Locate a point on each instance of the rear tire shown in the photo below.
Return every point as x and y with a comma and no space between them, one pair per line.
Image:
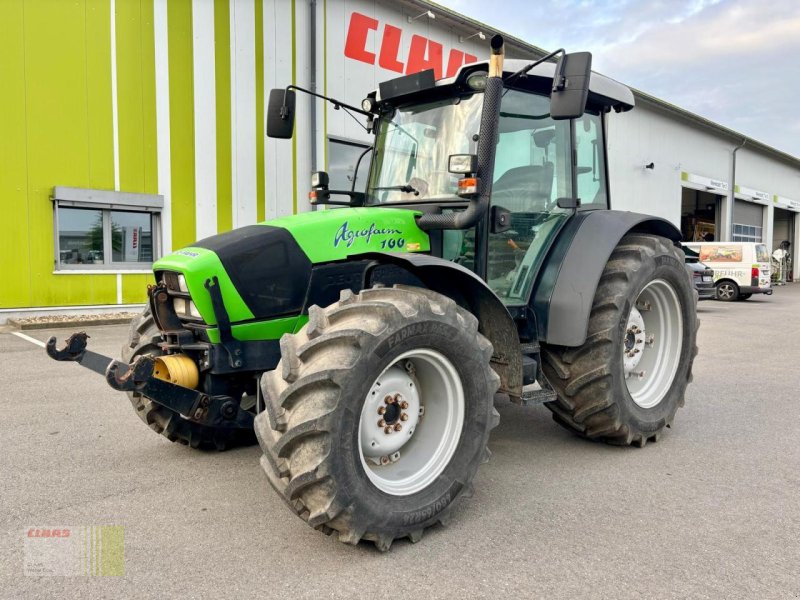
643,282
143,338
321,399
726,291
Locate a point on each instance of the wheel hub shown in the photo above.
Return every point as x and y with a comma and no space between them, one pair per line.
390,415
634,342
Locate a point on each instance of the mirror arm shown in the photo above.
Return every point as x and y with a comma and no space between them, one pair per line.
536,63
336,103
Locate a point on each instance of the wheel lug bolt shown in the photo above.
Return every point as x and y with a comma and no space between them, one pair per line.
404,417
404,405
381,423
397,427
388,400
381,410
397,397
387,429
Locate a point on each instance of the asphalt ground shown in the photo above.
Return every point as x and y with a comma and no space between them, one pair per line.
710,511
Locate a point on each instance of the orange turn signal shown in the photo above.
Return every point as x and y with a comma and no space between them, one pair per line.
468,186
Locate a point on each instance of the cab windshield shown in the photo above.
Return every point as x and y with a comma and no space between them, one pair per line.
412,148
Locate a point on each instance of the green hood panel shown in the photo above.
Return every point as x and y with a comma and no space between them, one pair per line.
334,234
322,236
197,265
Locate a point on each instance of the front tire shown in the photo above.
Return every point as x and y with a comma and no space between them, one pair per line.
378,415
143,339
625,383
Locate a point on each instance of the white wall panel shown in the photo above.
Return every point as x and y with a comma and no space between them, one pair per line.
205,119
278,180
243,112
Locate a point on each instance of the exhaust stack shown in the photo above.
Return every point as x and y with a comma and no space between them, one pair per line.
487,140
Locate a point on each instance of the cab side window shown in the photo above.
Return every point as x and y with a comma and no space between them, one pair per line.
590,154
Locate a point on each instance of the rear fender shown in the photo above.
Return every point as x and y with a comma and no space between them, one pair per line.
564,292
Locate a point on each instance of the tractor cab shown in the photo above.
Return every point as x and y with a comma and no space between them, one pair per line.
548,160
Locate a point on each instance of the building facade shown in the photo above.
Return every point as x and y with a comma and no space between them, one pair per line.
131,128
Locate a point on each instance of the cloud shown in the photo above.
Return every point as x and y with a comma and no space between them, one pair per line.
736,62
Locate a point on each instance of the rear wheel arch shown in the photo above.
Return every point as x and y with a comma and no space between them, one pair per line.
567,282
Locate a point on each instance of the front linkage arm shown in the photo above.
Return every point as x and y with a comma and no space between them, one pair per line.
215,411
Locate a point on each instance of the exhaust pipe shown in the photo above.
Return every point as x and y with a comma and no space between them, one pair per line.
487,141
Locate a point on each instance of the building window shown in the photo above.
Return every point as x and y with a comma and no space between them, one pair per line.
746,233
100,230
343,156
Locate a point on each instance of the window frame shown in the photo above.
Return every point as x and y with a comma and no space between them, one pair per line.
107,202
602,147
360,144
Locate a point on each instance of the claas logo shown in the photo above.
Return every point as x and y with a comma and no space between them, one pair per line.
422,53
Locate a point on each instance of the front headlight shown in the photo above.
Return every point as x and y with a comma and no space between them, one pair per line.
185,308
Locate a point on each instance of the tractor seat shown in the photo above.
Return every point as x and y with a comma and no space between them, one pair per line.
524,189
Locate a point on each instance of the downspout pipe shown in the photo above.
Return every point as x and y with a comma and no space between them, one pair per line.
487,140
732,195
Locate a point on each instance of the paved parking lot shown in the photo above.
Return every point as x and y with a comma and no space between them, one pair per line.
710,511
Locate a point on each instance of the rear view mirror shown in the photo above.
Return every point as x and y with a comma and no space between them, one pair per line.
280,113
571,86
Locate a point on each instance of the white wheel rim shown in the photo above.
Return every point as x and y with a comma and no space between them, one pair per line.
652,343
421,392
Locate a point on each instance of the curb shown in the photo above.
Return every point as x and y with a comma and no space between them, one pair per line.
67,324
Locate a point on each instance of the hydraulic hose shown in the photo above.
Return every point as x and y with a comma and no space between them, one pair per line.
487,140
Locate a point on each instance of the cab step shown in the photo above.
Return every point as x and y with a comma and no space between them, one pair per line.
533,394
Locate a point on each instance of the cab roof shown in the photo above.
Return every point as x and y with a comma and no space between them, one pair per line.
602,90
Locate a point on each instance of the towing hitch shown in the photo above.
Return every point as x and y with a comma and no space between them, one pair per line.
138,377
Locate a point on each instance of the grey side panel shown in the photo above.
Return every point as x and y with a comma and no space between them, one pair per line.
568,300
470,291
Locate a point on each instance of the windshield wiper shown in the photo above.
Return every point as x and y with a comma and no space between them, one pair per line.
406,189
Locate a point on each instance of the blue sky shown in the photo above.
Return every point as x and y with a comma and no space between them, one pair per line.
736,62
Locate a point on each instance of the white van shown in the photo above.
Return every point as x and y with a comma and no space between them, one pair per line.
741,269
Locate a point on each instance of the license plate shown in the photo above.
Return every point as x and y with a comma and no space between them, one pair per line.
707,278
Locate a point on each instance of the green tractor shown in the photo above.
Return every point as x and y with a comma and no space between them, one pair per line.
363,346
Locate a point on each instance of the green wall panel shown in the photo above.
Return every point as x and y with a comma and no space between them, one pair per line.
136,96
181,121
57,91
14,259
134,288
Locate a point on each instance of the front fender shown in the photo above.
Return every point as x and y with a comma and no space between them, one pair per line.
471,292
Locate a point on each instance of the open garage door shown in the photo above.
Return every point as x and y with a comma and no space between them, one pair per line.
748,222
783,223
700,215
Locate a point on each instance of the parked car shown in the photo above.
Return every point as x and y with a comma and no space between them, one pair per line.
741,269
702,276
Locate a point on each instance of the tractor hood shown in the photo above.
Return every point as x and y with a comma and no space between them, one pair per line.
264,270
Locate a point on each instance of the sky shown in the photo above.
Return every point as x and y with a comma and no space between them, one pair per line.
735,62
